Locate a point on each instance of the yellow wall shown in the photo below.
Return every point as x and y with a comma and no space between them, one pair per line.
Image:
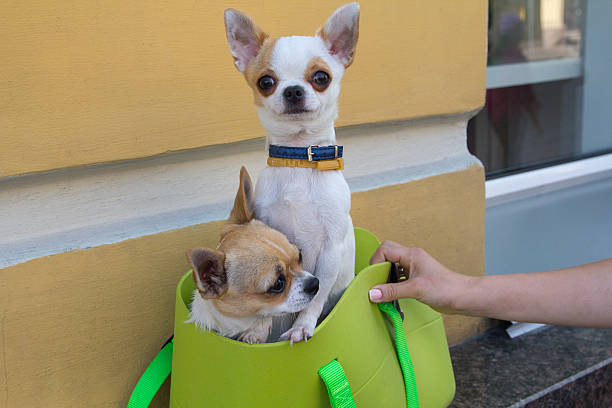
78,328
85,81
89,82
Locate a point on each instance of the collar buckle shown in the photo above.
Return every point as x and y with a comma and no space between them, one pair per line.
309,152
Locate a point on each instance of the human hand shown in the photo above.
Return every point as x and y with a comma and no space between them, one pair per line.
428,280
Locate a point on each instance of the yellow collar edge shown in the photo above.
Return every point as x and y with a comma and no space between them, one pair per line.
331,164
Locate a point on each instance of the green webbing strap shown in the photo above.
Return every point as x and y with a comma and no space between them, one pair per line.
153,378
412,398
338,388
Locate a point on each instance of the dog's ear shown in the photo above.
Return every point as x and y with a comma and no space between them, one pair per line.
208,271
243,204
340,33
244,37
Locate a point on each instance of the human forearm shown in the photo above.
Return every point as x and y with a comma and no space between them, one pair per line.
578,296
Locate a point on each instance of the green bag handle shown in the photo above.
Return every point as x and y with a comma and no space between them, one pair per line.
412,397
153,378
338,388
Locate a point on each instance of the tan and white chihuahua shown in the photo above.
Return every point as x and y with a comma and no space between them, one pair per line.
296,83
253,275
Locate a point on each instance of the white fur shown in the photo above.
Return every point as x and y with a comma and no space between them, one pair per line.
310,207
289,60
205,315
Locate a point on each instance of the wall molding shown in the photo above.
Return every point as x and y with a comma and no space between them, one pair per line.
83,207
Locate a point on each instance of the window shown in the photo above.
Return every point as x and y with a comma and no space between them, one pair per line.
535,97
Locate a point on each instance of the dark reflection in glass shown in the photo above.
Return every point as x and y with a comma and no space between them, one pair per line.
527,124
507,48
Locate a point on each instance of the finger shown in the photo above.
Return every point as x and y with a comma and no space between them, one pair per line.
382,252
392,252
379,256
392,291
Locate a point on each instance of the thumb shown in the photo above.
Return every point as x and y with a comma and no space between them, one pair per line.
392,291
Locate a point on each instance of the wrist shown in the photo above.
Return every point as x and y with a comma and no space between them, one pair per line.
465,289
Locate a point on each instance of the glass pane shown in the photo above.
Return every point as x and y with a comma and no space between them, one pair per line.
527,125
532,30
531,123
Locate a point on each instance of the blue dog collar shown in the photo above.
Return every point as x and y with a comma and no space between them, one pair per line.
310,153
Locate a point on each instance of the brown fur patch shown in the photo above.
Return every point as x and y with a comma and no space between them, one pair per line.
252,253
314,65
242,211
258,67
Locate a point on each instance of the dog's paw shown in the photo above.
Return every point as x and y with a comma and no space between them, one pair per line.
297,334
252,338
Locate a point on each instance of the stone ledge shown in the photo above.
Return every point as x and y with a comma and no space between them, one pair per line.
554,366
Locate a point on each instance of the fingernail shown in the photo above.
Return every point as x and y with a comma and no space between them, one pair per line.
375,294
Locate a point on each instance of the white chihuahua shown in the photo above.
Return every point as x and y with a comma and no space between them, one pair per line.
303,194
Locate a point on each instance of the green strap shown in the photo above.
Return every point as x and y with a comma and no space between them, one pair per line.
338,388
153,378
412,398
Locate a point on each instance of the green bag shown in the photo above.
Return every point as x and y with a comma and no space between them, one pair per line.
209,370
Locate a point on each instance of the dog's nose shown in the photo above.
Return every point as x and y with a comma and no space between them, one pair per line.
312,286
294,94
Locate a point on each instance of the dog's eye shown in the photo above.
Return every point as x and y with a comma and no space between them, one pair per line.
266,83
278,286
300,258
320,78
